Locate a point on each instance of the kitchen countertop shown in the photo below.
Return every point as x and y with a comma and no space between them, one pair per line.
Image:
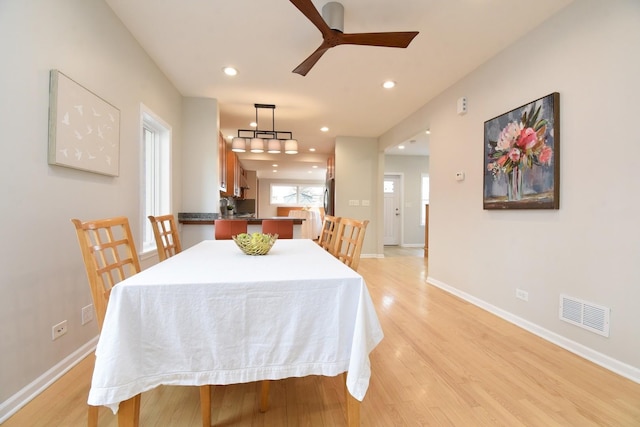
209,218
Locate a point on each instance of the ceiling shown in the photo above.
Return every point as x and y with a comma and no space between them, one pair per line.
191,41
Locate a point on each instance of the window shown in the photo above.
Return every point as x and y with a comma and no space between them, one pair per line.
389,186
425,197
297,194
156,147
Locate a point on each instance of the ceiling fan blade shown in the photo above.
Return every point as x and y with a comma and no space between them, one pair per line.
308,63
398,39
309,10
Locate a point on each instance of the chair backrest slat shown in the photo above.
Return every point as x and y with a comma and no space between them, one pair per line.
350,236
329,232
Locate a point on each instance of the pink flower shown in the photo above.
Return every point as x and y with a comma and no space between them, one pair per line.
545,154
514,155
508,136
527,139
502,160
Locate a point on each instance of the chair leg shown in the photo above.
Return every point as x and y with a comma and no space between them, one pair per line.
129,412
205,405
92,419
264,396
353,406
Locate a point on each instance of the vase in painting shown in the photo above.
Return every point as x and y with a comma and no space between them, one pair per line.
514,184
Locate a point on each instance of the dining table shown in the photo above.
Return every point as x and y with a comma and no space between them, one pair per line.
212,315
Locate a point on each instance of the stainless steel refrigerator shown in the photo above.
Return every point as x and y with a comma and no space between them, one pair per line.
329,197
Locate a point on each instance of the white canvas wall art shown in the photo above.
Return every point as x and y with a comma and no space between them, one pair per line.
84,129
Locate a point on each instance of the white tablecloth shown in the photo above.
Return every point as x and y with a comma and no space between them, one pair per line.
311,226
213,315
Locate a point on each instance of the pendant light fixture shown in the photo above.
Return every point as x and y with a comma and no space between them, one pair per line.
258,139
239,145
257,145
291,146
274,146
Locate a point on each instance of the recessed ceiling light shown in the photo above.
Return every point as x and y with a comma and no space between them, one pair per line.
275,165
389,84
275,170
312,149
324,129
253,124
230,71
401,147
315,166
428,132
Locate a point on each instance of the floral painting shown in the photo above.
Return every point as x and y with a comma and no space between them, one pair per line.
521,157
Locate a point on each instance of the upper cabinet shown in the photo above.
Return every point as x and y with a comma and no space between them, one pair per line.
236,180
222,164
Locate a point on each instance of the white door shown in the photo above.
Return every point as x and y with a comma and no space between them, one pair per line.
392,214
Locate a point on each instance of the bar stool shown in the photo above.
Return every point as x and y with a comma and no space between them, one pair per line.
282,227
225,228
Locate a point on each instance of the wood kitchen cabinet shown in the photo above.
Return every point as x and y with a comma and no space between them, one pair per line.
236,179
222,164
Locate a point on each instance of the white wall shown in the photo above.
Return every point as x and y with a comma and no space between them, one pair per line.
42,278
201,189
200,183
359,177
589,247
411,168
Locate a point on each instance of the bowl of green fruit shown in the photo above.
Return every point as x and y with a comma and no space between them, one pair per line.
255,243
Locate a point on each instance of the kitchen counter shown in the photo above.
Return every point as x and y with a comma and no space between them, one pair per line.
209,218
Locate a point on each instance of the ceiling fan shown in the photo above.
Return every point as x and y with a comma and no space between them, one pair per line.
332,32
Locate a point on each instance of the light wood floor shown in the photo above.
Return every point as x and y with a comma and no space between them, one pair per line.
443,362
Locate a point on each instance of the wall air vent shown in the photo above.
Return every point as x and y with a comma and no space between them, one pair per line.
592,317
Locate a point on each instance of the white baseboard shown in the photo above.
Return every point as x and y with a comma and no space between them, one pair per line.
412,245
371,255
30,391
620,368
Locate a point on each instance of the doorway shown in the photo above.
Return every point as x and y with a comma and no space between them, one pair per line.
392,213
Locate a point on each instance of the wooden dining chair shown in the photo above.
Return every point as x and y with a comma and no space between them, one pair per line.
225,228
109,255
328,233
282,227
350,236
166,235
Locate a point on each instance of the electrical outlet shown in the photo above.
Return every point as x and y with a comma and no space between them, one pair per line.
87,314
58,330
522,294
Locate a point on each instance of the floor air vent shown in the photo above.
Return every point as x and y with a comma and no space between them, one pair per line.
592,317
